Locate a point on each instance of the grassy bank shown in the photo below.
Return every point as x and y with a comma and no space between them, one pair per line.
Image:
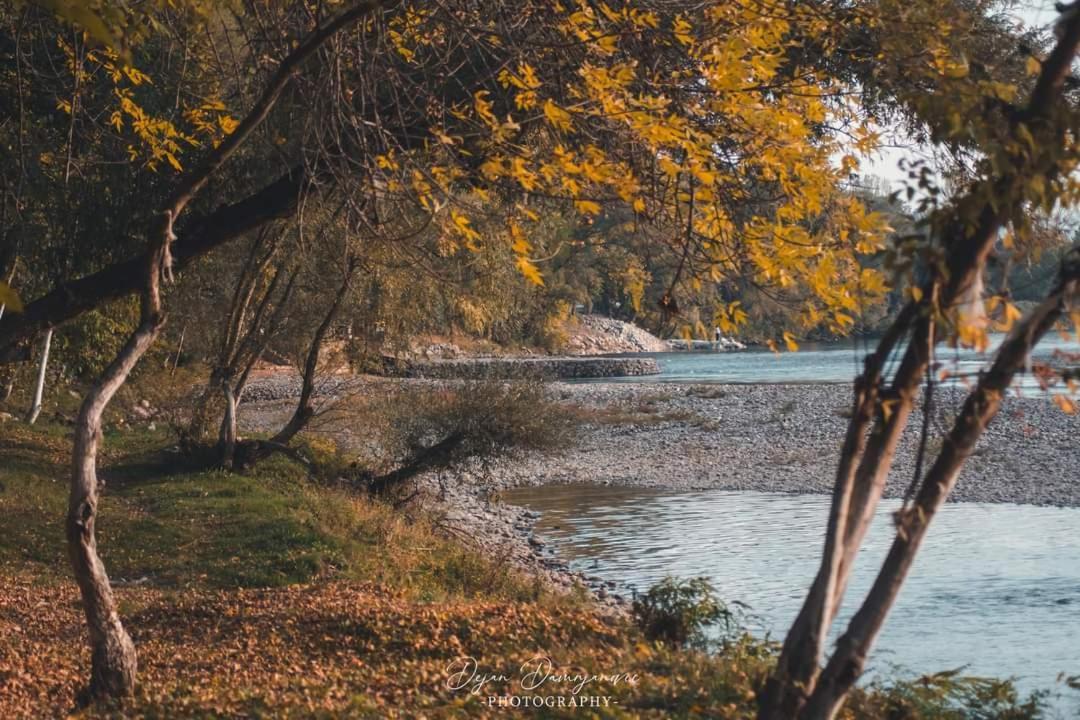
265,595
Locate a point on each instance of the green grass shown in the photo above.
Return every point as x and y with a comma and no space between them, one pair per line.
170,522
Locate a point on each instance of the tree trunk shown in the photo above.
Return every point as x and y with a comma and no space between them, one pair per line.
304,408
227,433
847,662
436,456
39,387
112,652
200,236
804,645
969,238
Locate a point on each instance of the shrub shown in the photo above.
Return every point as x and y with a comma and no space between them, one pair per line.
679,612
946,695
415,429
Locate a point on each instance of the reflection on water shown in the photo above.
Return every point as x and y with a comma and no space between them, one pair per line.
837,362
996,587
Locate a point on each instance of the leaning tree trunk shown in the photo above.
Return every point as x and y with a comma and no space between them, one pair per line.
865,462
112,652
847,662
305,408
39,387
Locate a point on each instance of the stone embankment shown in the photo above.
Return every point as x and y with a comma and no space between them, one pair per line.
543,368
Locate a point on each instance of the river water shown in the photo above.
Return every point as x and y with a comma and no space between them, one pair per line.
835,362
995,589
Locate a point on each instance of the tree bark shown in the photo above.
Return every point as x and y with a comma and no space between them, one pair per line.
227,435
113,658
855,497
39,386
804,645
980,408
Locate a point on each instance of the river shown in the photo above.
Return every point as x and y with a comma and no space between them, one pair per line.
834,362
995,589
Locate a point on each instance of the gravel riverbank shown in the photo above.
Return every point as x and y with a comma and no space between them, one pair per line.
786,438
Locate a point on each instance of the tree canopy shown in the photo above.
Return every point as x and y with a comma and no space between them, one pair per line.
726,131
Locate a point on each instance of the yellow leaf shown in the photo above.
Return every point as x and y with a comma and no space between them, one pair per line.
1012,314
483,108
557,116
887,408
529,270
9,298
682,30
463,227
588,207
789,340
520,243
227,124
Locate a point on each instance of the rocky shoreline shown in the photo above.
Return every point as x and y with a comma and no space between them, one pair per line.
764,438
786,438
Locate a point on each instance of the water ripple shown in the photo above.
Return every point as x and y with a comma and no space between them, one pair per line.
996,587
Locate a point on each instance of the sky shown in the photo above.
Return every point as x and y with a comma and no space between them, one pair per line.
1033,13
